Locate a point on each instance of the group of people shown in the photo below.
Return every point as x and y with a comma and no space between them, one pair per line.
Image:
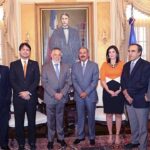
56,79
127,85
124,84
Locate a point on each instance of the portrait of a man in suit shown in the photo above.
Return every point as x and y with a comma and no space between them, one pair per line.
56,80
24,78
64,28
67,39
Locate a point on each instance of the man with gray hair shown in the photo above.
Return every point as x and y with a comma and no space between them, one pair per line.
56,81
134,82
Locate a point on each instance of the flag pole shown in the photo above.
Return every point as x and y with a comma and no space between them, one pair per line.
132,10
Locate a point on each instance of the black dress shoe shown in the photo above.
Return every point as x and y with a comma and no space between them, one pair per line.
77,141
131,145
5,147
50,145
62,142
92,142
32,146
21,147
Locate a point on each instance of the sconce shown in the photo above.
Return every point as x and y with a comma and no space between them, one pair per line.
27,37
104,36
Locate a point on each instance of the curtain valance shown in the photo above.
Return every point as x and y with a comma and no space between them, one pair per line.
141,5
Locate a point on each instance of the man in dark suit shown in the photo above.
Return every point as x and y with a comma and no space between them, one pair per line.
24,78
147,95
5,100
67,39
56,81
85,75
134,81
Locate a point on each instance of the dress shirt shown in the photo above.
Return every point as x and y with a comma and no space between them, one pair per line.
133,63
55,66
85,62
23,60
66,33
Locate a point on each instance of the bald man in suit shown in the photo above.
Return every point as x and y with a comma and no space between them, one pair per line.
56,81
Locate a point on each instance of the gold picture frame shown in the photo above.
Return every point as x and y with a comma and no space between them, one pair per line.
77,11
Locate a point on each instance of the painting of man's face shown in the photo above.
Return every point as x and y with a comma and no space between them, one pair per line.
64,20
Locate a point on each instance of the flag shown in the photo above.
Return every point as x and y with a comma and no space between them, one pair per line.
132,38
53,19
53,23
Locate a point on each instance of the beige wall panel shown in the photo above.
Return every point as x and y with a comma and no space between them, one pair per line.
28,25
103,30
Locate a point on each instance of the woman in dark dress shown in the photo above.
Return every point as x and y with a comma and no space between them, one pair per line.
113,99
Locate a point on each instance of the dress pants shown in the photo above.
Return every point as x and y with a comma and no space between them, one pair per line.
4,118
85,108
55,118
138,118
20,107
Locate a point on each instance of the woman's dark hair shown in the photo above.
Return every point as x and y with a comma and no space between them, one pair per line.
24,44
117,52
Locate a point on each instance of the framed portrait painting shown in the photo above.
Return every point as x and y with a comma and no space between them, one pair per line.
49,23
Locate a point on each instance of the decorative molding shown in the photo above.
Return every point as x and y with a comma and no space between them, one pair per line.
2,2
103,0
49,1
141,5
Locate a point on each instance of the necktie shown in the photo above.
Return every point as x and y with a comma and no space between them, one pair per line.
25,69
57,70
132,66
83,67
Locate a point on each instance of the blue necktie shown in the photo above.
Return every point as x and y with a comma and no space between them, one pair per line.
57,70
83,67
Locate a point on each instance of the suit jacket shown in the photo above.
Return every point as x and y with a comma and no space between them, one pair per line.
70,49
52,84
5,88
148,90
19,83
136,83
88,82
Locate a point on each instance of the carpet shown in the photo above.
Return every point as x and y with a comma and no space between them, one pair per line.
101,144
